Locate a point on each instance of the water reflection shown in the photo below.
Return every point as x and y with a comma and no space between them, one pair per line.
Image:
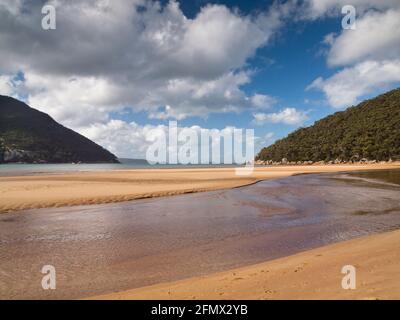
104,248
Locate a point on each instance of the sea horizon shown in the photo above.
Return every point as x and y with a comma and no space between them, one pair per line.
10,169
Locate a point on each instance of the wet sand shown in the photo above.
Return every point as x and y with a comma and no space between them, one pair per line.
314,274
100,249
71,189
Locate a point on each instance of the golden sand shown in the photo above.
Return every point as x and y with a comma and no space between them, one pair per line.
69,189
313,274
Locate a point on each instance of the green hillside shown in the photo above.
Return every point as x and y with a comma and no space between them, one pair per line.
369,130
28,135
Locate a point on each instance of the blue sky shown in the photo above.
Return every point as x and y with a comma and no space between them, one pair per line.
283,69
114,70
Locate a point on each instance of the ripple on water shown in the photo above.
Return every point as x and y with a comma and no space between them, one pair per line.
103,248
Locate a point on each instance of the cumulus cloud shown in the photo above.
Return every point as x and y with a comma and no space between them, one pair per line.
74,101
10,85
314,9
263,101
289,116
345,87
131,140
6,85
369,53
375,38
126,140
105,56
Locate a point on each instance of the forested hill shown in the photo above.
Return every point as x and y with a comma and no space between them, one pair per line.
28,135
370,130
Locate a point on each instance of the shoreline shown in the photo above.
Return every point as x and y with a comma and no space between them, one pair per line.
101,187
312,271
311,274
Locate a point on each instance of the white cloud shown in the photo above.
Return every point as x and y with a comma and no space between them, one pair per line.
6,85
376,37
131,140
370,53
190,97
262,101
289,116
345,87
314,9
126,140
13,6
107,55
75,102
264,141
79,101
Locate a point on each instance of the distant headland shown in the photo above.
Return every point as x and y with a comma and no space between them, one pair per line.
30,136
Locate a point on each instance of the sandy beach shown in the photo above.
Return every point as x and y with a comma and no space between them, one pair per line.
83,188
124,242
314,274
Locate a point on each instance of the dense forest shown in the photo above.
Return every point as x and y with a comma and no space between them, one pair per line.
370,130
28,135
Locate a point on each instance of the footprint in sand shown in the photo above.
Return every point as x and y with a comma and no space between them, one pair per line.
300,268
270,291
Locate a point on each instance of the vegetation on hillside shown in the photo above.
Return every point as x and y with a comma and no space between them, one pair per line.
369,130
28,135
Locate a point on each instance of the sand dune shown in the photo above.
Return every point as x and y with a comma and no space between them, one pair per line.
57,190
314,274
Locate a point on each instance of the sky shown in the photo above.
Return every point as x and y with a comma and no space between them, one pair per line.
118,71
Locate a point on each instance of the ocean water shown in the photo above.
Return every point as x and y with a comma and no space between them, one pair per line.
32,169
390,176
